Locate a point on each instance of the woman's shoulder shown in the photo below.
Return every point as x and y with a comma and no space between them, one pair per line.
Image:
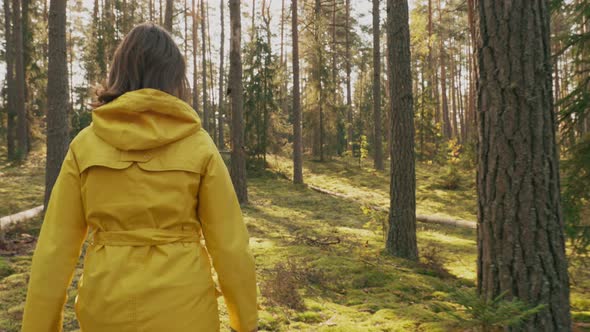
189,153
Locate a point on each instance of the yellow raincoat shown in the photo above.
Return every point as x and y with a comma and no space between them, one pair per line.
144,180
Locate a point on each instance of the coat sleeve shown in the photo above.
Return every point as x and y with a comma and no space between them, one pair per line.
56,255
227,240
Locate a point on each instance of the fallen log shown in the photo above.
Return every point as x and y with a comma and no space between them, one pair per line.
419,217
21,216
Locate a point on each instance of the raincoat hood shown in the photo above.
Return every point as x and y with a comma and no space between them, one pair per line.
144,119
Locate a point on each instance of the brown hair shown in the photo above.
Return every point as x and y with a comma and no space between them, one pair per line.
147,57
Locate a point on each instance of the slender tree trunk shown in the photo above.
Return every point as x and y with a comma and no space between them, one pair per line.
211,85
401,237
10,83
151,5
377,121
521,248
283,89
349,110
432,72
453,92
238,155
220,139
470,126
19,80
185,19
57,94
206,123
447,130
319,69
297,137
161,19
70,57
195,53
168,16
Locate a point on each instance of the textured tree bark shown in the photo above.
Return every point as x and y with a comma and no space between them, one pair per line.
401,238
19,81
297,137
377,121
168,15
220,139
521,247
238,154
206,123
57,95
10,95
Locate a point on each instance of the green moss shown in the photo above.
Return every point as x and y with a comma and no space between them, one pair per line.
5,268
347,282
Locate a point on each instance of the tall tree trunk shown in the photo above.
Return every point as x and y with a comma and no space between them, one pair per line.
151,5
453,93
447,130
377,121
212,124
185,19
297,137
319,69
349,126
521,248
283,87
206,123
238,155
220,139
161,11
70,57
168,16
470,125
401,237
10,84
195,53
432,72
19,80
57,95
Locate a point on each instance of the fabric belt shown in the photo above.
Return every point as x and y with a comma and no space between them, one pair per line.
143,237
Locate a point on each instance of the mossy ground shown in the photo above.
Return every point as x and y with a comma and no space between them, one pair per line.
333,246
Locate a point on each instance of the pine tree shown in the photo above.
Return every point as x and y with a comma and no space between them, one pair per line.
238,155
401,238
521,248
57,95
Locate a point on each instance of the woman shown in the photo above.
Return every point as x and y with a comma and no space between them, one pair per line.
147,181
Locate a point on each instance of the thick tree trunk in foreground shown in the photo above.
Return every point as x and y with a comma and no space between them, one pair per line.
297,136
520,226
401,238
238,154
57,95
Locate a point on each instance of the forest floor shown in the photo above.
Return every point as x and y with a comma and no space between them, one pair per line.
320,259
